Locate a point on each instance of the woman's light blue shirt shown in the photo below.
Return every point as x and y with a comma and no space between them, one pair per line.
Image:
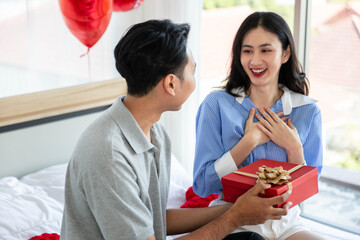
220,124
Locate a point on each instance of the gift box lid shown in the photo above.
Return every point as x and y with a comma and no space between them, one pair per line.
298,177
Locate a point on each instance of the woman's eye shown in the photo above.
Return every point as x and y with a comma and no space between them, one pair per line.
266,50
246,51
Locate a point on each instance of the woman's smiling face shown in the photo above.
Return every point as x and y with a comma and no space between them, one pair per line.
262,56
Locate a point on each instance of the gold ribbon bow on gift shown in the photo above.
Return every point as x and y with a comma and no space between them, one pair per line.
276,175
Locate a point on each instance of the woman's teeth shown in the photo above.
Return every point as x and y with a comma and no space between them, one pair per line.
257,71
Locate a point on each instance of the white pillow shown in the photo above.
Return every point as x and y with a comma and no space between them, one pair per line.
51,180
180,181
50,176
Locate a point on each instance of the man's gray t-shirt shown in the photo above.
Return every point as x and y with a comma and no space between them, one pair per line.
117,181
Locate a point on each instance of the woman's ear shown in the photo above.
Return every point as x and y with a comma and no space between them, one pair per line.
169,84
286,54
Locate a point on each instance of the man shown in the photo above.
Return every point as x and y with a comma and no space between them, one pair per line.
118,176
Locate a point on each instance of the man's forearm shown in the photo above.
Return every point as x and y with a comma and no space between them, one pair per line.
216,229
189,219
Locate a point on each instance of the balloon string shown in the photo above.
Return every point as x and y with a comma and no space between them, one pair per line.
87,53
89,65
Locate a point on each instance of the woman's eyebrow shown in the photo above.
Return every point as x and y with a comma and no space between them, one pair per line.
265,45
261,45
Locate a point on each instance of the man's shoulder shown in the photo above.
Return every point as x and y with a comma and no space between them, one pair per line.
97,139
99,129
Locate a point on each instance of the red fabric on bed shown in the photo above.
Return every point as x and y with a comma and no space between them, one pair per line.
46,236
195,201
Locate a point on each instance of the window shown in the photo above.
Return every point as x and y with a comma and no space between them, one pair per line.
38,52
335,78
335,81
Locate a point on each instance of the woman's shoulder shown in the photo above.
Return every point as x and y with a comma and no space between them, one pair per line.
216,100
218,96
217,92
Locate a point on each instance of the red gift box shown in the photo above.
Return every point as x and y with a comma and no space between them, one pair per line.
303,182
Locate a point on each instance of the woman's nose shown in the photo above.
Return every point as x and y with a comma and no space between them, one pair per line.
255,59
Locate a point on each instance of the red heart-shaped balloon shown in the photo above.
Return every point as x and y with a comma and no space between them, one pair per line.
87,19
126,5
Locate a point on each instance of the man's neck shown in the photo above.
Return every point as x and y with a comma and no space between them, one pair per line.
144,111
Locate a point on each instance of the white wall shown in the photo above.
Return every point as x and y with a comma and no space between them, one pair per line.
29,149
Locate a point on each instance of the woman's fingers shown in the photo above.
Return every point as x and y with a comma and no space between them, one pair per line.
284,119
264,123
251,114
264,129
275,117
266,116
270,116
279,114
270,121
290,124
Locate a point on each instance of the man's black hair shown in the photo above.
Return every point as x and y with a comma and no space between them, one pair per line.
149,51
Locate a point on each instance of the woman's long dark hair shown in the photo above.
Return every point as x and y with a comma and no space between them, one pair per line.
290,75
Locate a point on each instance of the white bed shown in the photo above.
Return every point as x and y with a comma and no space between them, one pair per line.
33,204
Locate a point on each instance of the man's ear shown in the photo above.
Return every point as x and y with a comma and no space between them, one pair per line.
286,54
169,84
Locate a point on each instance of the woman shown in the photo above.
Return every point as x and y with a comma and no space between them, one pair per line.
262,112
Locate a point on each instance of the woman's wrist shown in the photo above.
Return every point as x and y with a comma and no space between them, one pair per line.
296,155
242,149
249,141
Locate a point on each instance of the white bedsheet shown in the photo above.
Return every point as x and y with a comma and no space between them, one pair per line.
33,204
27,210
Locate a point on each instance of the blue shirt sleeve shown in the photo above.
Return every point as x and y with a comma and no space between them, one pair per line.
208,149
